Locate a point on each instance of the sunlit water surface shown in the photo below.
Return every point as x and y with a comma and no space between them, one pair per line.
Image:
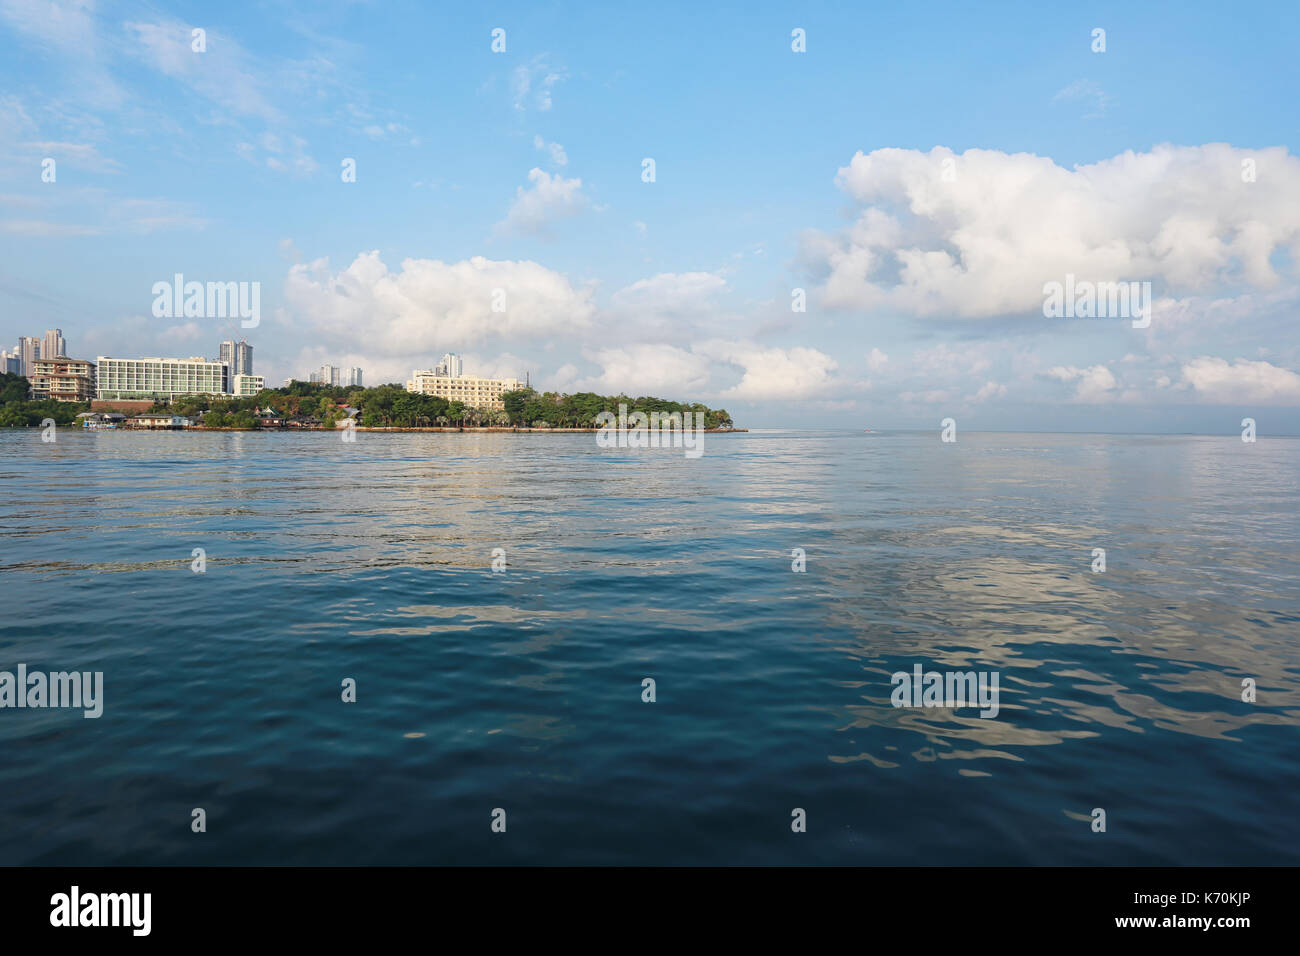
523,690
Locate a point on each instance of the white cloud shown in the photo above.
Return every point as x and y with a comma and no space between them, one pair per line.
1096,384
1088,92
774,373
558,156
985,244
532,82
649,368
988,390
1222,383
550,198
430,306
224,73
68,27
877,360
671,292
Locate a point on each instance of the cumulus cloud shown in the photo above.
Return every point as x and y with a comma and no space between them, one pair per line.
1218,381
430,306
1096,384
774,373
549,199
877,360
988,390
766,373
984,244
649,368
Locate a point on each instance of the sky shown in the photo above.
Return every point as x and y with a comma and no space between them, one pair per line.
858,233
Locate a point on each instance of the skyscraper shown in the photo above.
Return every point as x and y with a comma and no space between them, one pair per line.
451,366
238,355
329,375
354,377
29,350
54,345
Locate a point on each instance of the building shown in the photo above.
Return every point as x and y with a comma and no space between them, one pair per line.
326,375
160,378
11,364
62,379
451,366
54,345
238,355
158,420
269,418
354,378
247,384
29,350
473,392
98,421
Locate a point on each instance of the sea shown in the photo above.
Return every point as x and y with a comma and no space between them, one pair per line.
524,649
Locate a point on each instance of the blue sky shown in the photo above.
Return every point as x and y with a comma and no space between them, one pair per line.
522,171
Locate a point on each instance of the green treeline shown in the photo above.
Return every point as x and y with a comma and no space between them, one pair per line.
15,409
383,406
393,406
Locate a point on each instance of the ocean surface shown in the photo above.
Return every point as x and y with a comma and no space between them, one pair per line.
522,690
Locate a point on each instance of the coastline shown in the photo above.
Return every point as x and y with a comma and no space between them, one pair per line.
387,428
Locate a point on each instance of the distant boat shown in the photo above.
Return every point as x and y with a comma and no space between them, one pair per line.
867,430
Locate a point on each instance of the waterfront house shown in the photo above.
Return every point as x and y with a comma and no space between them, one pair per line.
158,420
98,421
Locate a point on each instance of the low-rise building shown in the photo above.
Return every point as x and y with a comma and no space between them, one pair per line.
62,379
269,418
246,385
158,420
471,391
101,420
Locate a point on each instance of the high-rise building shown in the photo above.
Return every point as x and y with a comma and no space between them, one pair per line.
238,355
54,345
354,377
328,375
451,366
29,350
12,364
160,377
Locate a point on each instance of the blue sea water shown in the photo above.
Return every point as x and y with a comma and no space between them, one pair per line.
522,690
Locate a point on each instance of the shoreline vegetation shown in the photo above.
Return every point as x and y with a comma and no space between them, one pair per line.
309,406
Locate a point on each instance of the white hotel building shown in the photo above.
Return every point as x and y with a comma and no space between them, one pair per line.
245,385
160,378
446,381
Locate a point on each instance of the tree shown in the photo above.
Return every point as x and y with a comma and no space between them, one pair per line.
514,402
